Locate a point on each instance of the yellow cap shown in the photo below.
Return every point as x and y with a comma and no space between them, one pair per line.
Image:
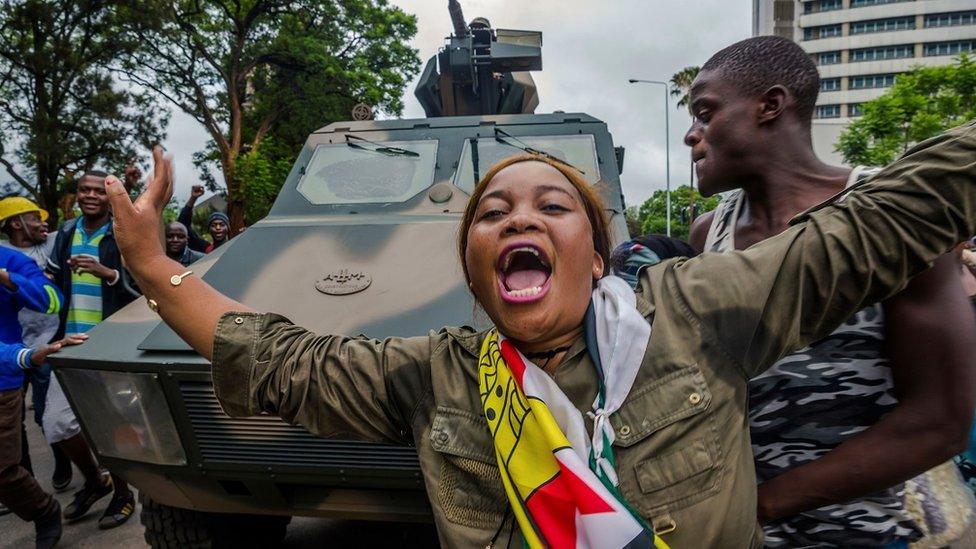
16,205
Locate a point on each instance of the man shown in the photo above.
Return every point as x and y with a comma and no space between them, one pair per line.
22,284
176,244
87,267
24,224
218,225
838,427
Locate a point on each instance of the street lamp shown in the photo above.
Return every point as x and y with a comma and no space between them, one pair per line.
667,142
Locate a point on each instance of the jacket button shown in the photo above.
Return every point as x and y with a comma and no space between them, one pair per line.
239,320
694,398
625,430
442,437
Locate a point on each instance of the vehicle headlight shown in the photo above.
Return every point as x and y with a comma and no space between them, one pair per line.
125,415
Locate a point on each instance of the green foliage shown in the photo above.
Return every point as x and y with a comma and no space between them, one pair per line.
261,173
922,103
248,70
681,84
651,216
63,112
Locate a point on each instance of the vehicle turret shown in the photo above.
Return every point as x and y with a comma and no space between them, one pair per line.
481,70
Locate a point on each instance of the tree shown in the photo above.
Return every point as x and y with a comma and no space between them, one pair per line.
681,84
923,102
686,205
252,69
63,113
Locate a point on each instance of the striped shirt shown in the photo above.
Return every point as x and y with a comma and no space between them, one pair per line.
85,310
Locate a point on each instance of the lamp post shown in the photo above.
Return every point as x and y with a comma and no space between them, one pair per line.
667,143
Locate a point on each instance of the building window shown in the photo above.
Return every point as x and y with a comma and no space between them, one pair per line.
951,19
867,81
828,58
824,31
855,109
883,25
949,48
830,84
822,5
902,51
827,111
863,3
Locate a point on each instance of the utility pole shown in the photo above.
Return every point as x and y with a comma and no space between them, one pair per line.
667,142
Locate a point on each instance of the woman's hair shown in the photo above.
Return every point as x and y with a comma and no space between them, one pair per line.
592,205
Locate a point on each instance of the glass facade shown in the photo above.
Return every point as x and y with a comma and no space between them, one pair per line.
830,84
949,48
828,58
953,19
827,111
883,25
901,51
824,31
868,81
855,109
864,3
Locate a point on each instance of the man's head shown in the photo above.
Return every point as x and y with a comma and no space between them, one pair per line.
218,224
746,98
23,221
91,194
176,238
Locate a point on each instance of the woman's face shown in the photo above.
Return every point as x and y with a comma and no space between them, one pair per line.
530,255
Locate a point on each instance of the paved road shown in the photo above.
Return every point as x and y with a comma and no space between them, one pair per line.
302,533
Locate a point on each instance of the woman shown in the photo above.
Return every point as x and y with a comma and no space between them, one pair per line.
665,437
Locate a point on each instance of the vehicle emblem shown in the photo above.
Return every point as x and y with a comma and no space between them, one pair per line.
362,112
344,282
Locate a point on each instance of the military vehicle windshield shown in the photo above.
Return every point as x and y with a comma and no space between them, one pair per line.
578,151
363,171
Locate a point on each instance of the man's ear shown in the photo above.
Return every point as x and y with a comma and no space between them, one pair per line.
773,103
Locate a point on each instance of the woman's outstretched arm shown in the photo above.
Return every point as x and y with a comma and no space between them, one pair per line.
798,286
191,308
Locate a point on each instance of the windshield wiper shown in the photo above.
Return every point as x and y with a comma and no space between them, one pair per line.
506,138
378,147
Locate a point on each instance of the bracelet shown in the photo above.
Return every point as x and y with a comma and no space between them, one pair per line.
176,280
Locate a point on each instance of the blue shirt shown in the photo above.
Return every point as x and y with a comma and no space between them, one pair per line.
34,291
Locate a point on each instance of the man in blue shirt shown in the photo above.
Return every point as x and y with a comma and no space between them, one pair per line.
23,284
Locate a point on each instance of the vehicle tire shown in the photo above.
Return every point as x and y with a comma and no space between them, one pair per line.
169,527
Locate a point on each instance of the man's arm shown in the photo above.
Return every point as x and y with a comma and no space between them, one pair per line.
931,338
26,284
186,218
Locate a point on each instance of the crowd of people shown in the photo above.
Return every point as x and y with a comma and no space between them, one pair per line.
57,287
802,364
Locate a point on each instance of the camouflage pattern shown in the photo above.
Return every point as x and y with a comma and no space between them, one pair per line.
813,400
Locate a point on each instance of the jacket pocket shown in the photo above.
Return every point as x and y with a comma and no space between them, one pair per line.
470,490
667,446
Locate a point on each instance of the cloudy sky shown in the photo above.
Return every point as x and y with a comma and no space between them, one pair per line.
590,49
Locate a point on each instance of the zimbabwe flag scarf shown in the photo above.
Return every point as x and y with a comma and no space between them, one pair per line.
561,484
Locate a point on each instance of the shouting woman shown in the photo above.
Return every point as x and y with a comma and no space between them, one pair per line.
590,415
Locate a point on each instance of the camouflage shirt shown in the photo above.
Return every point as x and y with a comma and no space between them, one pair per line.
810,402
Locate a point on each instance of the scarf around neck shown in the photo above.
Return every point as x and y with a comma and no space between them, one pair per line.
561,482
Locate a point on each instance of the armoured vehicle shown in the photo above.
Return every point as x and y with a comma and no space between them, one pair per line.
361,240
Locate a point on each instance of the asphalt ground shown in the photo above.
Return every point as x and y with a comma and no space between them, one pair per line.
303,532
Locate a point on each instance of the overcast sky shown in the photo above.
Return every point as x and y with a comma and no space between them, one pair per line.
590,50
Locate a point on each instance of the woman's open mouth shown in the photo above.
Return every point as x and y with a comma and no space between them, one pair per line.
524,274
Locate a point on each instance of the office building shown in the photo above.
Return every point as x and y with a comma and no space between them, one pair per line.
860,47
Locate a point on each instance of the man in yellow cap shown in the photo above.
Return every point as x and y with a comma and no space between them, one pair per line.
25,225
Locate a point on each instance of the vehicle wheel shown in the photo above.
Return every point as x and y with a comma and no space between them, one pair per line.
174,527
169,527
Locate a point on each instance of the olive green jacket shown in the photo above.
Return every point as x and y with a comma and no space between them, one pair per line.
682,450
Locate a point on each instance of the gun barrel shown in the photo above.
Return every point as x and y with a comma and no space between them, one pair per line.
457,17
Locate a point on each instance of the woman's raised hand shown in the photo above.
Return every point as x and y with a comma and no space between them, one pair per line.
137,224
